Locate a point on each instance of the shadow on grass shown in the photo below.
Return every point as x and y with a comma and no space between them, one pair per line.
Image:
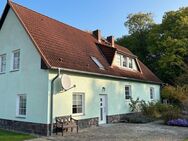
12,136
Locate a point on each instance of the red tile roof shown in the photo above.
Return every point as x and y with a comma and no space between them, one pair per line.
64,46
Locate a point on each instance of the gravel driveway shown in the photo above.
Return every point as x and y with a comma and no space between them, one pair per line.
154,131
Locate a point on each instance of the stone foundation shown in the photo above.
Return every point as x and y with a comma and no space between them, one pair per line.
40,129
26,127
85,123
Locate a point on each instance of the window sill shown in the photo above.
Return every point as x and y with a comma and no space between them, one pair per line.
128,69
14,70
127,100
2,73
79,114
21,117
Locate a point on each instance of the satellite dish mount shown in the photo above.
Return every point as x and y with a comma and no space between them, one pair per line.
66,82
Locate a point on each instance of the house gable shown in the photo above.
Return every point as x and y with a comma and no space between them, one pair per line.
27,79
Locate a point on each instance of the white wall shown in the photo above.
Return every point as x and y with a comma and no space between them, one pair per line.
92,87
29,80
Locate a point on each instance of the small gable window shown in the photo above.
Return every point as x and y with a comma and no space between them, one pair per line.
2,63
151,93
16,60
96,61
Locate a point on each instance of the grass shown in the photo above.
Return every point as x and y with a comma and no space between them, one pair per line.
12,136
186,139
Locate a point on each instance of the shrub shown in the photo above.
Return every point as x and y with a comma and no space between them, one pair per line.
134,105
149,109
171,113
158,110
176,95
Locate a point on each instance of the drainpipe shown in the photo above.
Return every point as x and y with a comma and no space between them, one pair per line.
51,101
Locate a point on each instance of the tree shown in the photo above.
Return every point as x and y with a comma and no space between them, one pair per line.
138,24
171,45
163,47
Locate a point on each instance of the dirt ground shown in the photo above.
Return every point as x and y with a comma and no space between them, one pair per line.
154,131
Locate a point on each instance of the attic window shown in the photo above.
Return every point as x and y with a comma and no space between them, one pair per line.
96,61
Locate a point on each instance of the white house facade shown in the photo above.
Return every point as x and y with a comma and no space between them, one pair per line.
34,50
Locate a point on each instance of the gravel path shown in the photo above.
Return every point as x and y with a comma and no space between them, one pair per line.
154,131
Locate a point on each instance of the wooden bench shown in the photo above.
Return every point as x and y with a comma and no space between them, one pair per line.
65,123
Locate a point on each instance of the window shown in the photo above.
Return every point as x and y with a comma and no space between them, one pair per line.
127,92
78,103
151,93
130,63
16,60
21,105
124,61
2,63
97,63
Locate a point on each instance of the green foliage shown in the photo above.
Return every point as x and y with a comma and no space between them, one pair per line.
162,47
176,95
158,110
149,109
134,105
11,136
152,110
139,22
171,113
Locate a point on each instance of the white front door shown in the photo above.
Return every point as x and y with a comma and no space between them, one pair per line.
103,109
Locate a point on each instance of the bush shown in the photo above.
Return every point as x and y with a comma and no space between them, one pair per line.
171,113
149,109
153,110
176,95
137,118
134,105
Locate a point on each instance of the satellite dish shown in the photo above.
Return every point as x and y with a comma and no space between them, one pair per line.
65,81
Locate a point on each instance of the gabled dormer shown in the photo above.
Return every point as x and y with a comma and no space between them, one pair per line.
125,61
121,58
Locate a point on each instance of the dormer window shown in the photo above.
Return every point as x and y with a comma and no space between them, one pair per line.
130,63
126,62
96,61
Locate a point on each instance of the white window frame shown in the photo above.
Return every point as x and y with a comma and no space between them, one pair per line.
2,63
83,103
121,59
124,58
130,92
18,108
152,93
130,65
13,60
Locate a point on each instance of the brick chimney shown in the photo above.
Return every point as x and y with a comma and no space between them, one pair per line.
97,34
111,40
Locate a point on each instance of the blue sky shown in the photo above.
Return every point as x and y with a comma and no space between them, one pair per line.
107,15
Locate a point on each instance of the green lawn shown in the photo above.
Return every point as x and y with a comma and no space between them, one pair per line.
186,139
11,136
